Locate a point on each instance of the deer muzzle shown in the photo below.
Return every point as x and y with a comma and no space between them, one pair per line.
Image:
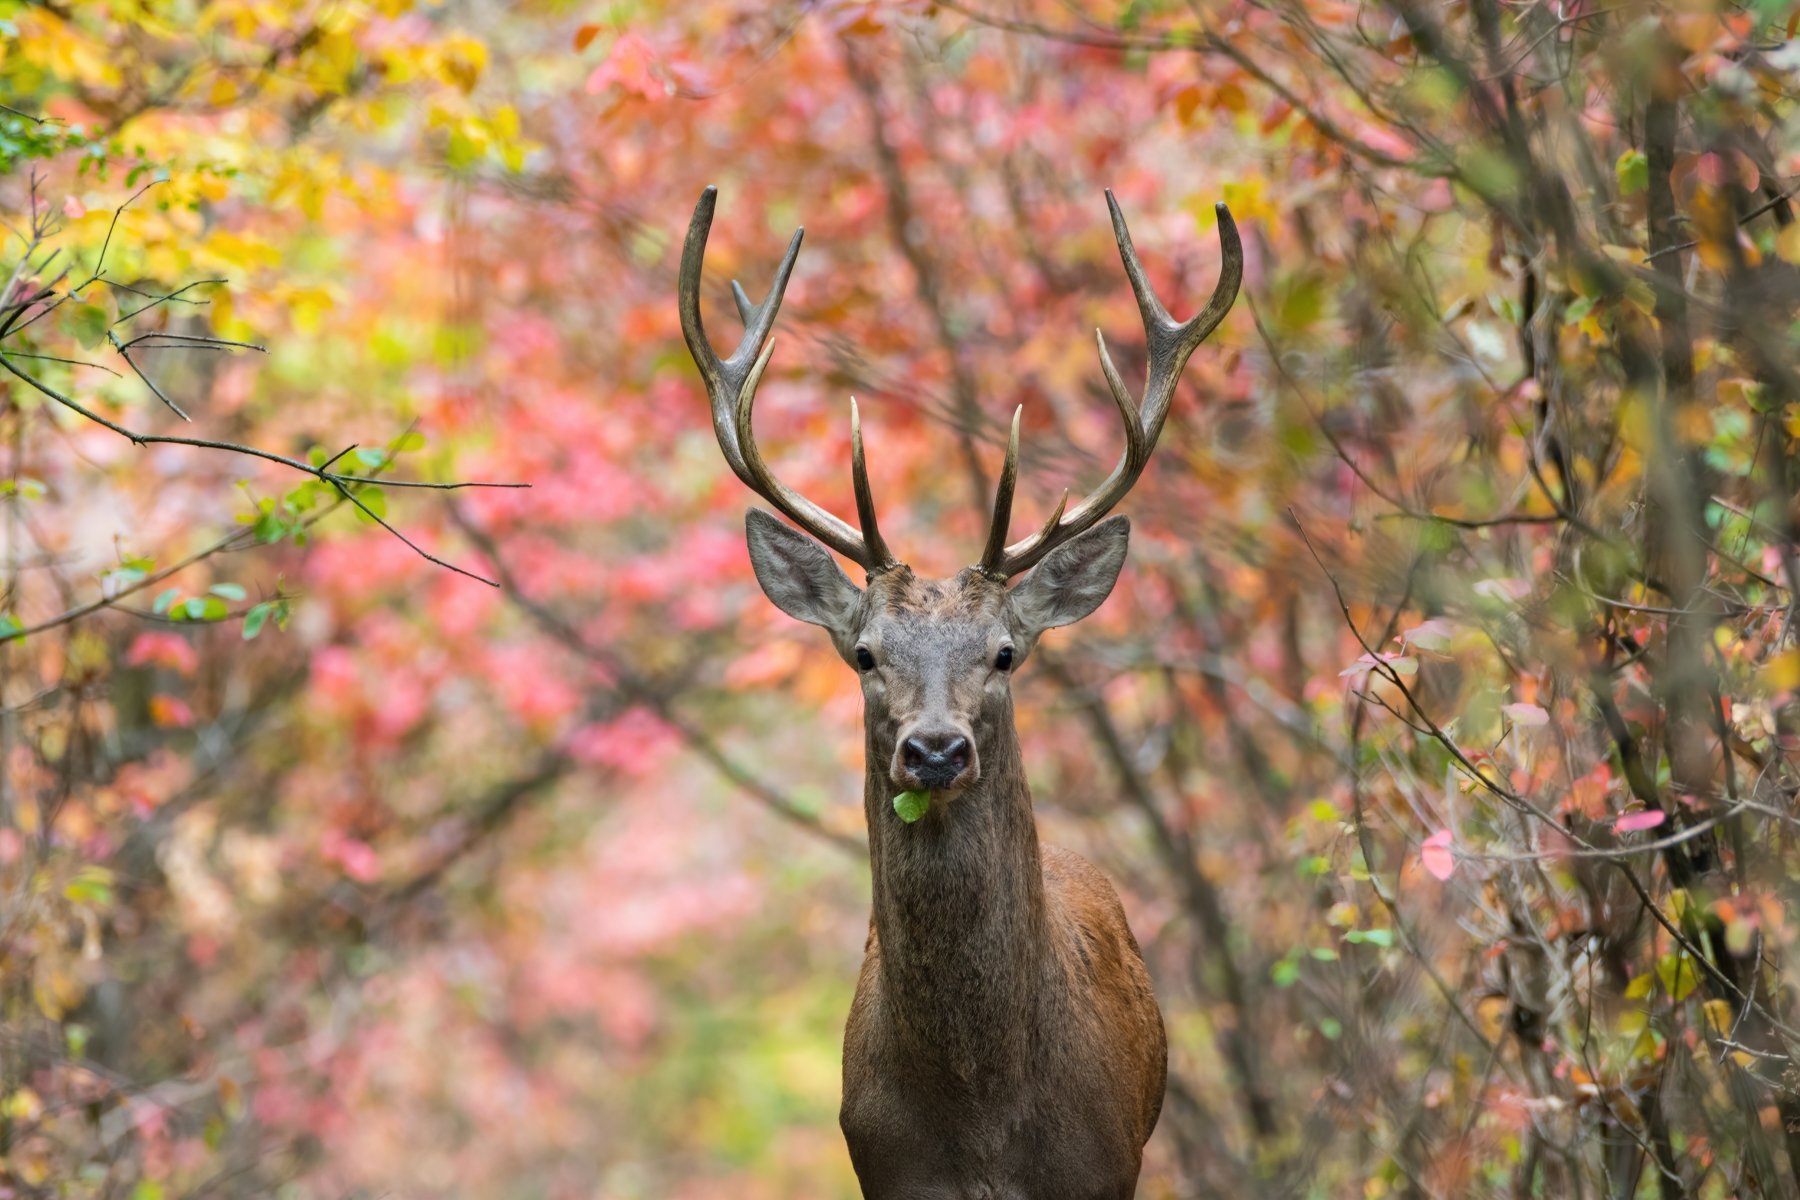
935,760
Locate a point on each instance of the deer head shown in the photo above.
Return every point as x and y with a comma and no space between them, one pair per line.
936,657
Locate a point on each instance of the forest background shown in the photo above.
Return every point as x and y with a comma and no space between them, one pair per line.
360,839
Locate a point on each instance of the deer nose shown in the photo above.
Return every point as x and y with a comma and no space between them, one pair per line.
936,760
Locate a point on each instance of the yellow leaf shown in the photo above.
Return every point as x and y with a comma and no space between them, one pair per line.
1491,1014
307,308
219,313
1635,423
22,1105
1680,905
1781,673
460,61
1679,975
211,188
55,990
1787,243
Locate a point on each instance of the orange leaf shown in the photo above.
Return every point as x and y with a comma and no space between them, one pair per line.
167,711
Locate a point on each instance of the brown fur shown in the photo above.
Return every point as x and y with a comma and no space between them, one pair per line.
1004,1043
1004,1040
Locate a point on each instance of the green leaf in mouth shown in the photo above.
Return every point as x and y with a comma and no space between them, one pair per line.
910,806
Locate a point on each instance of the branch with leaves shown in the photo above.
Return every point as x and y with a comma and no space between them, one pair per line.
28,298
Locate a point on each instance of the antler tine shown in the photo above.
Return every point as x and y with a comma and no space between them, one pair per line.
746,310
731,387
993,557
880,556
1169,344
1137,446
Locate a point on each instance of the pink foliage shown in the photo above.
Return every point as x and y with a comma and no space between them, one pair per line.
1639,821
634,743
169,650
630,66
1437,856
356,857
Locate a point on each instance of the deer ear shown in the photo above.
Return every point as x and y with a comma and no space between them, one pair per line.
798,574
1073,579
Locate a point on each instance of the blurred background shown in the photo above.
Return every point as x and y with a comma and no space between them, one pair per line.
360,840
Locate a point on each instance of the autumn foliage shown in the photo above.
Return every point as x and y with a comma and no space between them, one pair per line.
370,830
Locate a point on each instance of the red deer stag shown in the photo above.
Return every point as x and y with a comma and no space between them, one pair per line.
1004,1041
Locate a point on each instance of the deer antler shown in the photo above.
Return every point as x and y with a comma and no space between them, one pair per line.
731,388
1170,343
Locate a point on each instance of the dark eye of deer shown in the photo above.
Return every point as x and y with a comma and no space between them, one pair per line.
864,660
1003,660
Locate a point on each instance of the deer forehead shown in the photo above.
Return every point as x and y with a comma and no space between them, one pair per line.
900,600
910,616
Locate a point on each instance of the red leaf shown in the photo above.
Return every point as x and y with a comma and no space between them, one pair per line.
1650,818
584,37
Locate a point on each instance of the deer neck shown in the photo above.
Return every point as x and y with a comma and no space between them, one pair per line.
959,912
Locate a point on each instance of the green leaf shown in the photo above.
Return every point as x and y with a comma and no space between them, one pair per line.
910,806
9,627
1372,937
412,439
306,495
1634,172
230,591
88,323
255,619
374,501
270,529
205,608
164,599
91,886
1285,973
371,458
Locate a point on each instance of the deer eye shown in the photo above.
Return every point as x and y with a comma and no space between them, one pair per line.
864,660
1003,660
